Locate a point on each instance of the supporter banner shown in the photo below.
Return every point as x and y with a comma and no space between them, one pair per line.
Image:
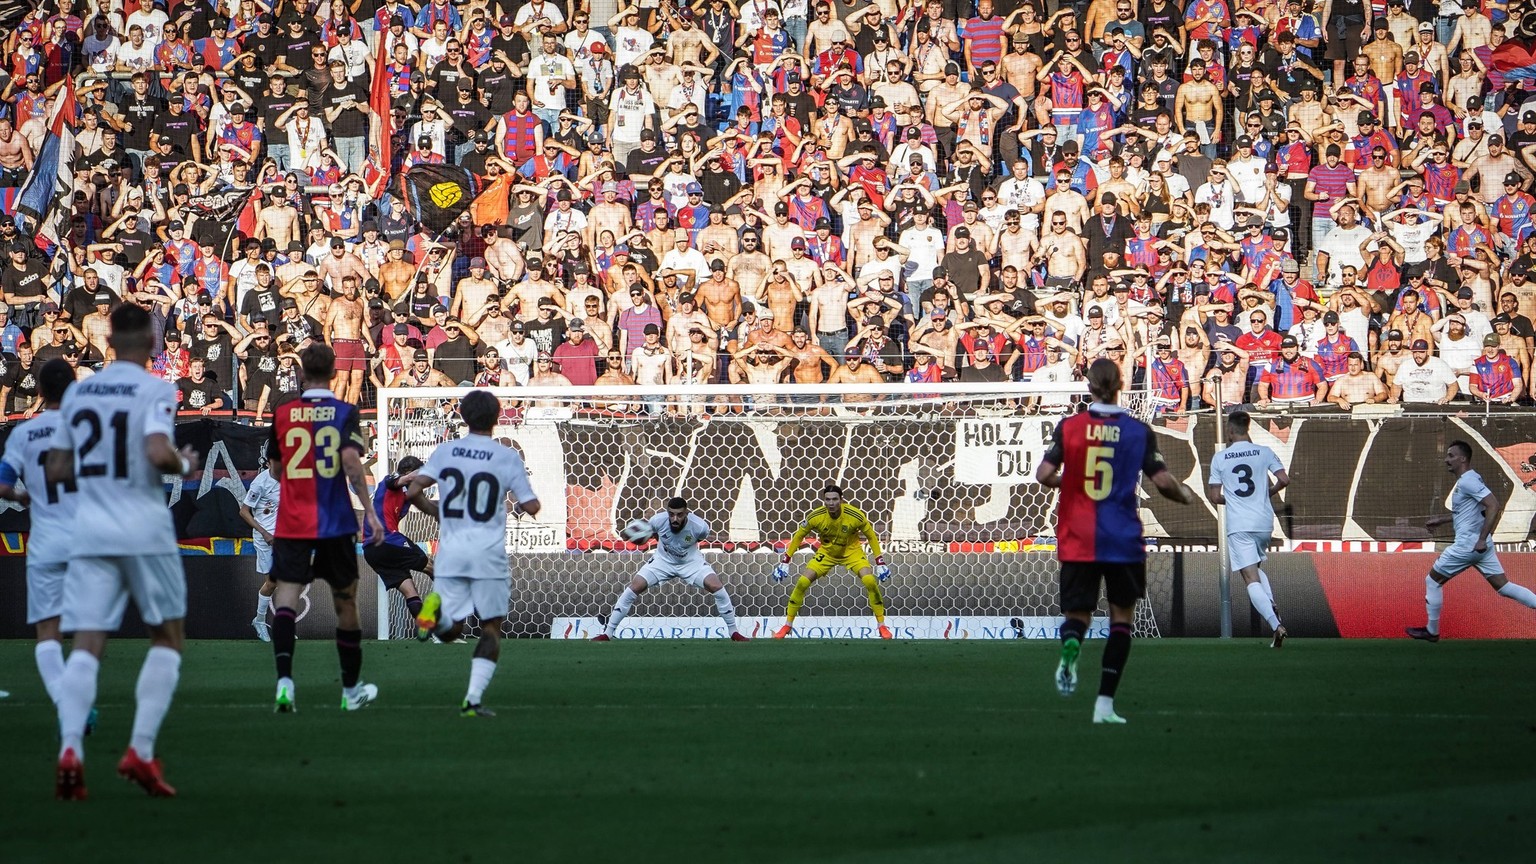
437,194
928,485
1002,450
829,627
220,214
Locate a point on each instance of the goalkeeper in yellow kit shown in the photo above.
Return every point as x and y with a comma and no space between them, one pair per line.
839,527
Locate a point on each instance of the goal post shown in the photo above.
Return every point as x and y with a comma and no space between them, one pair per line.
946,476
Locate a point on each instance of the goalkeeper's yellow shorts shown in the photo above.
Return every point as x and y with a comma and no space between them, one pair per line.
822,563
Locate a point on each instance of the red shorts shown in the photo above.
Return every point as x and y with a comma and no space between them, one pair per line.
350,356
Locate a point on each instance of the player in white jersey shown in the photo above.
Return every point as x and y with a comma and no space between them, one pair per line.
678,533
475,475
115,442
1239,474
1475,513
52,510
259,510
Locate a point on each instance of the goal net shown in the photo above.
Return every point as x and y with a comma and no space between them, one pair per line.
946,477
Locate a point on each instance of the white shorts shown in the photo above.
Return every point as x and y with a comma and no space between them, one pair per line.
1247,548
483,598
45,589
97,588
1458,558
656,572
263,556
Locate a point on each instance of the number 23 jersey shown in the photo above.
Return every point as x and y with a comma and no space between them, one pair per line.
474,475
310,433
120,504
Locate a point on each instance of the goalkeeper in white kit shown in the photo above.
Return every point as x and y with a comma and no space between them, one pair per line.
475,474
678,533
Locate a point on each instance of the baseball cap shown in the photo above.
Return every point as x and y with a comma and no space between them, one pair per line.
1491,340
695,189
1289,342
1330,317
1289,265
419,355
1394,335
402,329
1420,345
1426,27
476,262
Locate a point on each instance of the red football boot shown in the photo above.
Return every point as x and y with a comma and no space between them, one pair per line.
70,785
146,774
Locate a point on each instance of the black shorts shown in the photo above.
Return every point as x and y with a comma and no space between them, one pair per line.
333,559
395,563
1124,584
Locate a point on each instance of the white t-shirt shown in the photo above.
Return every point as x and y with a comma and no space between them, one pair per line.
629,111
152,20
1242,470
137,59
1467,508
924,246
53,505
104,422
1425,383
681,547
474,476
1022,193
547,70
262,497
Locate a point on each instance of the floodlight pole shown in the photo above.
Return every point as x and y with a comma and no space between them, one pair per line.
1224,577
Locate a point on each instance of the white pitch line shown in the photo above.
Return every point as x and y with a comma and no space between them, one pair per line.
386,706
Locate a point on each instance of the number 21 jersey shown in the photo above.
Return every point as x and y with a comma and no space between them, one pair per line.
474,475
1103,453
310,433
120,505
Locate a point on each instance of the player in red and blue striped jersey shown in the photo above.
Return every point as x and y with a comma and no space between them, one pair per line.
319,448
398,555
1097,459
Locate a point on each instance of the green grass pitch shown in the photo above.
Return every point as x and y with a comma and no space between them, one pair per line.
803,752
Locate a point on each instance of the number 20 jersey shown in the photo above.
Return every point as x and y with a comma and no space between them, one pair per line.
120,504
474,475
1103,453
310,433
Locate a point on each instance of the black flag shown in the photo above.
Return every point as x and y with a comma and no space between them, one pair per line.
221,214
437,194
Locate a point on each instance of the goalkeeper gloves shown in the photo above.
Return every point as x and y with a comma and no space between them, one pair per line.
882,569
781,572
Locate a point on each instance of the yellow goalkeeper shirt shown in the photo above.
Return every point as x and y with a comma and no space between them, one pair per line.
839,537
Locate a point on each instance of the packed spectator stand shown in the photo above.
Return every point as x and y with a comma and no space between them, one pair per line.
1284,205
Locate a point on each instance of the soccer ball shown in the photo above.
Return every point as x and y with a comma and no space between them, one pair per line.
637,532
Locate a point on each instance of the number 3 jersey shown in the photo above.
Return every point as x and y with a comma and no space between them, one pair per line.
309,434
1242,470
53,505
474,475
1103,453
120,497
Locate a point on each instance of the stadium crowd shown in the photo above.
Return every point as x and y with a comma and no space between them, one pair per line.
1280,204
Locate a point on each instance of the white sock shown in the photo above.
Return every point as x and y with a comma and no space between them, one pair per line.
1519,593
620,610
1268,591
480,671
726,608
263,603
157,684
50,665
77,693
1261,604
1103,706
1433,599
